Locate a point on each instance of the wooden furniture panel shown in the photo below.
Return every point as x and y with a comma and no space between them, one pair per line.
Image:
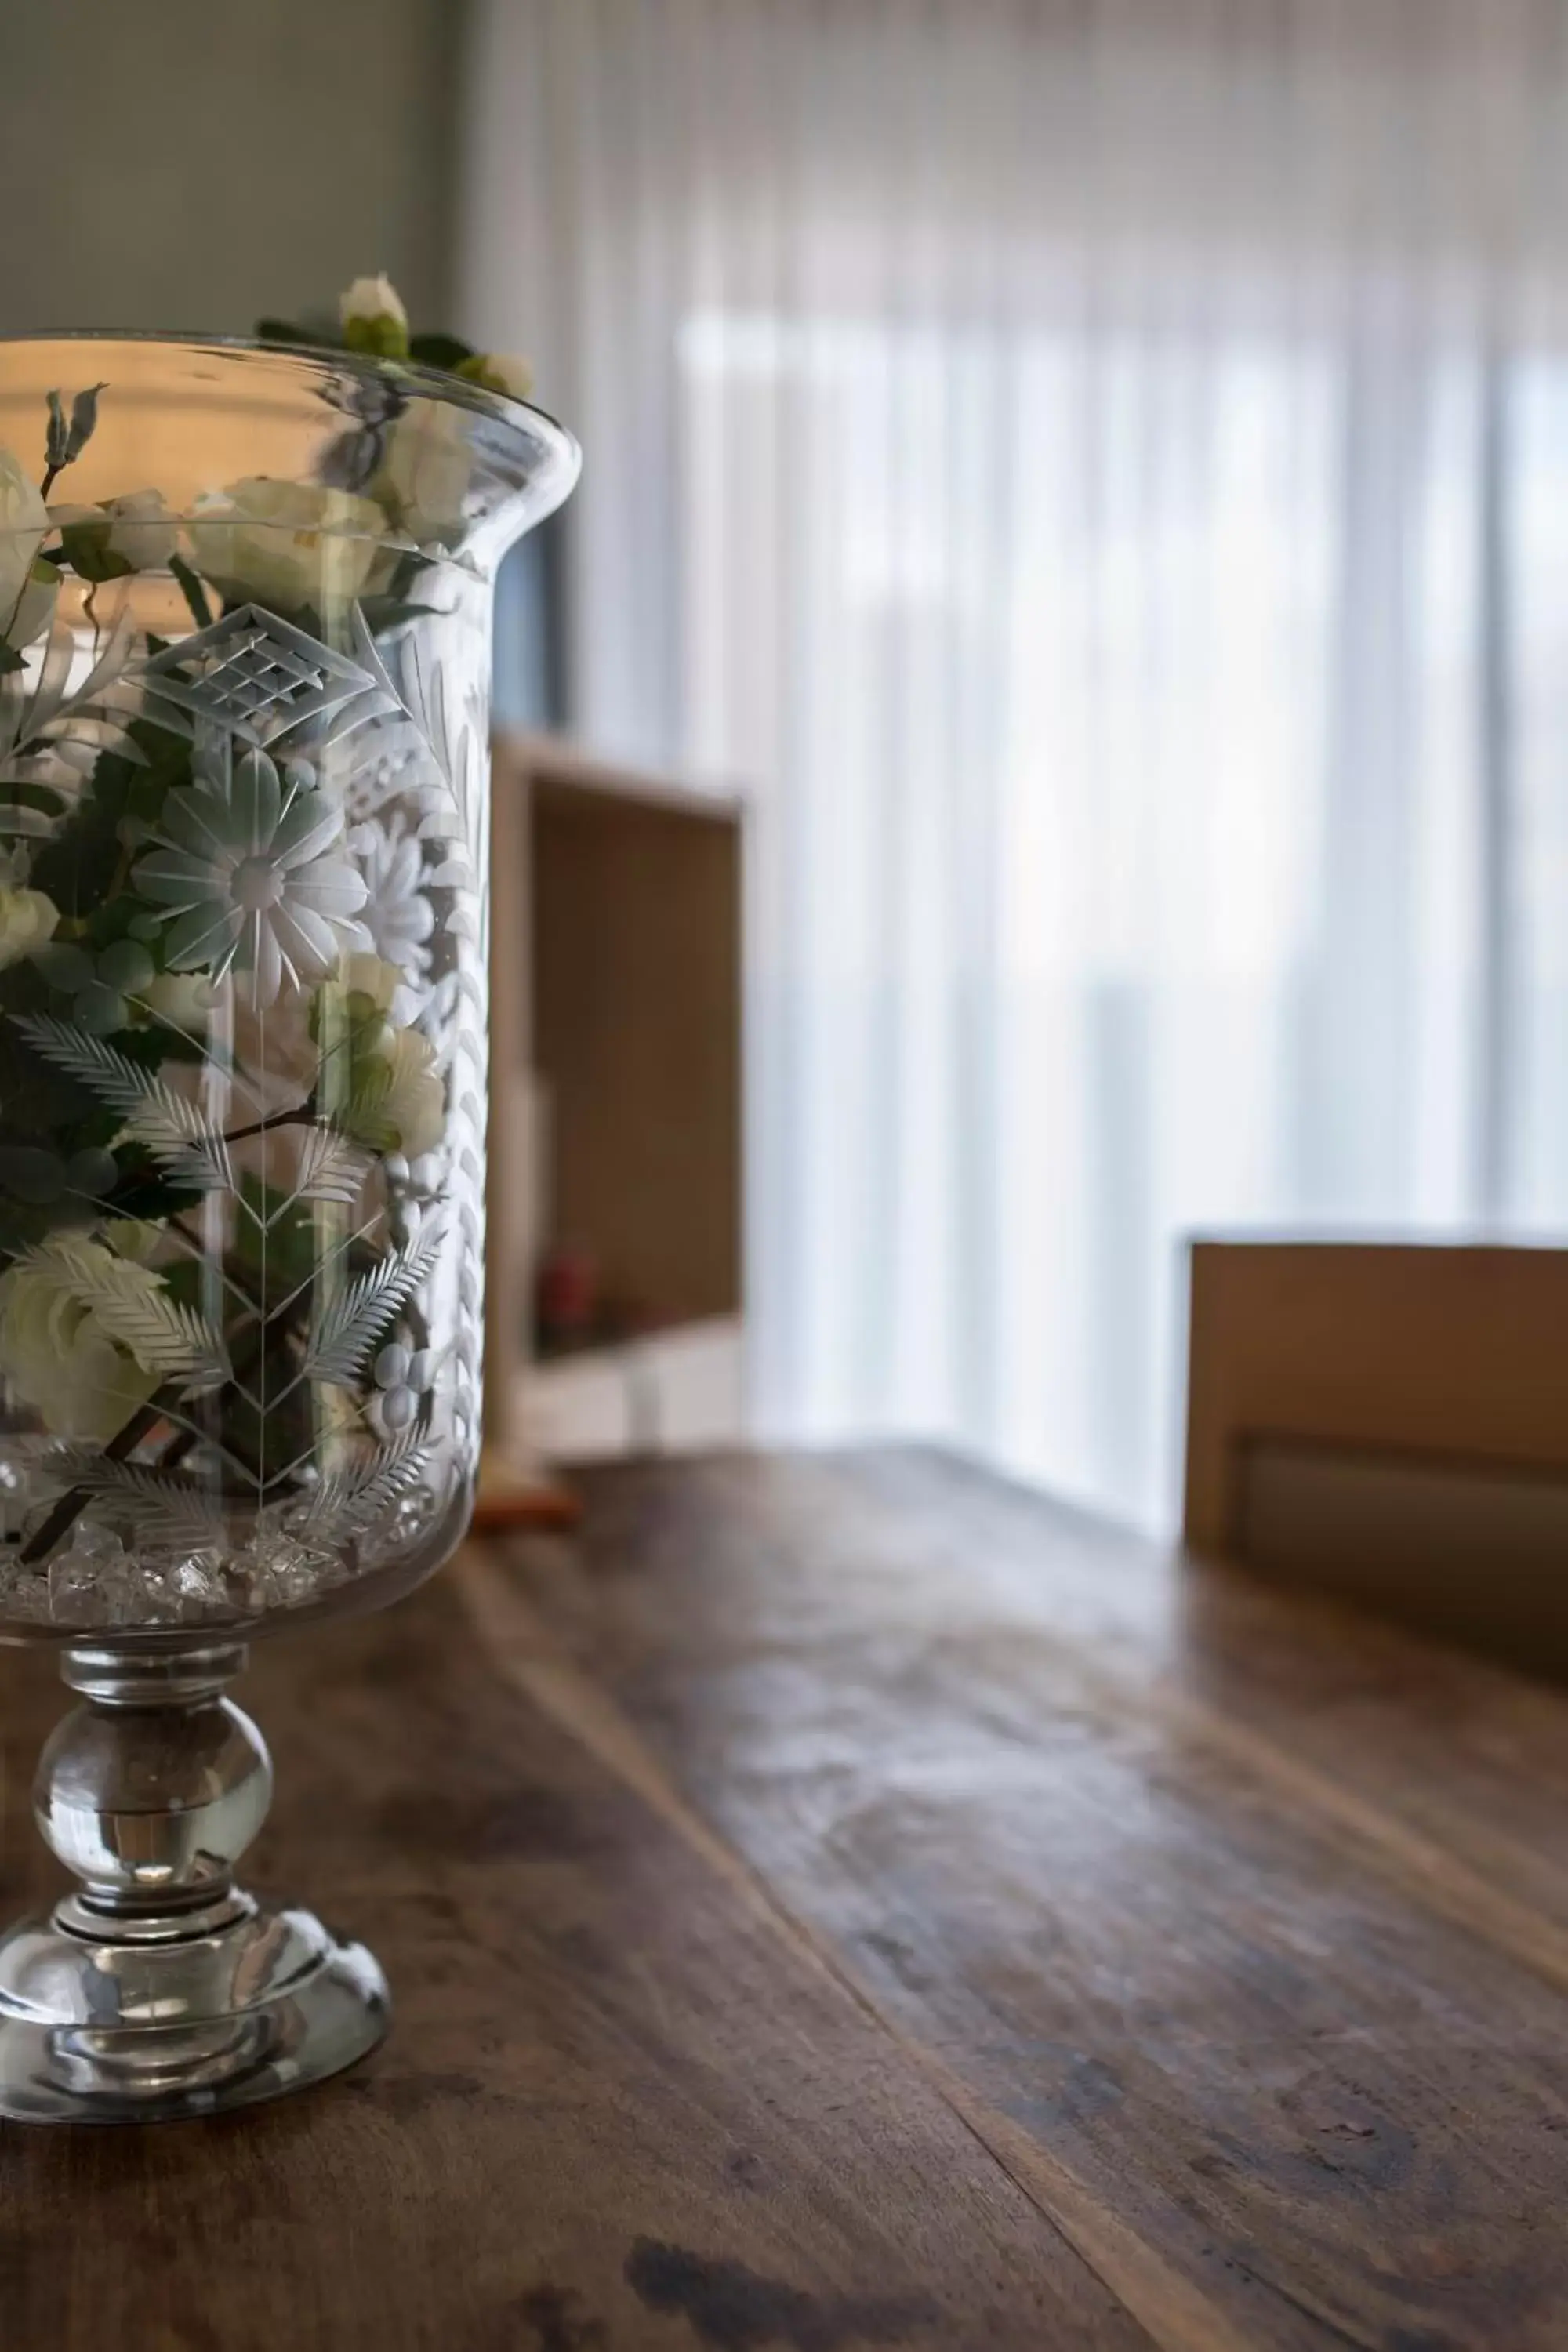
615,1096
1472,1554
848,1901
1390,1422
637,999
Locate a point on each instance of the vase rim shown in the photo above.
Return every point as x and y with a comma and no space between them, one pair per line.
438,383
532,460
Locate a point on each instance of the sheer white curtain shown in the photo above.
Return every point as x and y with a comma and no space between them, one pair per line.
1096,471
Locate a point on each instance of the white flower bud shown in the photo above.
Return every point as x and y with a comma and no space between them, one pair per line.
374,320
370,300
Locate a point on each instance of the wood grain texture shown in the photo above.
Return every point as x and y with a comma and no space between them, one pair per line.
619,2108
839,1903
1233,1926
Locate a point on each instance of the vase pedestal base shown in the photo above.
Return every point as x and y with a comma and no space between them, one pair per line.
102,2026
158,1988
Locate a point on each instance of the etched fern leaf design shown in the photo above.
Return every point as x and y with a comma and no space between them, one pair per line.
185,1144
166,1338
450,814
164,1505
332,1167
348,1326
348,1499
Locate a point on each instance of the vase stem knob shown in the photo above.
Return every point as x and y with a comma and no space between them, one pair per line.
157,1987
152,1789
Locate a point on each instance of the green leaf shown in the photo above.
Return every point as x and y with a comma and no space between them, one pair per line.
447,351
384,337
185,1145
40,1103
10,659
84,547
78,868
277,1245
272,1422
289,330
191,588
145,1192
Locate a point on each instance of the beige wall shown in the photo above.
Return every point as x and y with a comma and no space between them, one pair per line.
192,163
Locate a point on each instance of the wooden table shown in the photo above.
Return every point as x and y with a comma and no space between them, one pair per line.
845,1901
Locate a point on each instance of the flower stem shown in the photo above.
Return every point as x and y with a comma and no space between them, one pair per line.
301,1115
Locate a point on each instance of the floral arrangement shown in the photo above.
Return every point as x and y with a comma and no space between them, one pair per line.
241,965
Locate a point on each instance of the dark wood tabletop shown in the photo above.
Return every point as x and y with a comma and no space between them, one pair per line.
845,1901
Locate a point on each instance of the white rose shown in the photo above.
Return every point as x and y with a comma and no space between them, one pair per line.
184,999
142,531
424,474
414,1103
27,920
55,1352
399,1103
134,532
23,522
501,372
369,300
369,975
354,1019
287,543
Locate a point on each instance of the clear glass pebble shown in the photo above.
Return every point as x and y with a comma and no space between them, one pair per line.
199,1586
87,1579
275,1570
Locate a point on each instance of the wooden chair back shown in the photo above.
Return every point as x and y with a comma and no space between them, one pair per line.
1389,1422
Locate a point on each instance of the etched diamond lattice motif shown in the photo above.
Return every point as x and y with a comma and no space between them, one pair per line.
261,678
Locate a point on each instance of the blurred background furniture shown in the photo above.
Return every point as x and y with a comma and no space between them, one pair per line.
1389,1424
614,1263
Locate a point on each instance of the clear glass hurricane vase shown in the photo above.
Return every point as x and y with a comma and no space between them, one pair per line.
245,602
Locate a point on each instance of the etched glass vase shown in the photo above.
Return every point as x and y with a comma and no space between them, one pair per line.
245,604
